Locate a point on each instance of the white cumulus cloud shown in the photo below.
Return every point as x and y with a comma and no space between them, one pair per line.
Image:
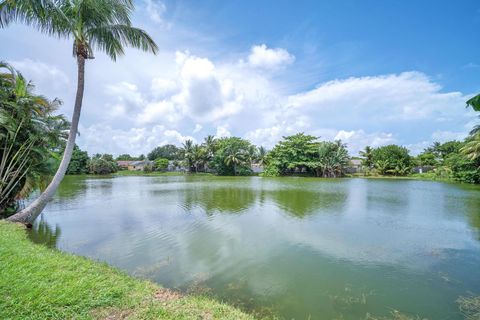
264,57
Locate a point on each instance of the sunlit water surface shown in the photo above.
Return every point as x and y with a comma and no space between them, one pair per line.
301,248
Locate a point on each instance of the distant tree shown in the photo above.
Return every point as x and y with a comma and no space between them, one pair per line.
382,166
261,156
125,157
187,151
231,156
141,157
292,154
198,157
234,158
102,164
367,157
443,150
79,162
332,159
426,158
463,168
391,159
161,164
168,151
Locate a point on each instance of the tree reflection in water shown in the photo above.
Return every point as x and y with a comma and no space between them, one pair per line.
42,233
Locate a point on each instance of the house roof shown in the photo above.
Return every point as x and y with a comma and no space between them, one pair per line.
356,162
141,163
124,162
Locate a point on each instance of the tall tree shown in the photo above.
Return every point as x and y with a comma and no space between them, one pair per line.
367,156
104,25
187,148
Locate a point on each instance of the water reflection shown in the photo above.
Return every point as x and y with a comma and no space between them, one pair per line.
223,199
43,233
301,203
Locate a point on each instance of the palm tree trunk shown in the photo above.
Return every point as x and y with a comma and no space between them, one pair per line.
31,212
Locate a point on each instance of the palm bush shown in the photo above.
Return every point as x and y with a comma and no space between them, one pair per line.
29,134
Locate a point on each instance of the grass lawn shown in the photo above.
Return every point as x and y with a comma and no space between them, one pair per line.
41,283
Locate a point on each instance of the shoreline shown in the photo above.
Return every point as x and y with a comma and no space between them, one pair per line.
37,282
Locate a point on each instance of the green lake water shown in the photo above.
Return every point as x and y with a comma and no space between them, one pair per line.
298,248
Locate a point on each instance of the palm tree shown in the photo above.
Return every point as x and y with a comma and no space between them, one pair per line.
252,153
104,25
382,166
198,156
234,158
472,148
210,146
332,159
29,132
188,153
262,155
367,156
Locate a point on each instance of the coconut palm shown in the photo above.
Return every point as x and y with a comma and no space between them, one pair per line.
198,156
234,158
252,153
367,156
210,146
104,25
187,149
262,155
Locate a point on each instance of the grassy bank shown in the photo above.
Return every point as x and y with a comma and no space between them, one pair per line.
122,173
41,283
413,176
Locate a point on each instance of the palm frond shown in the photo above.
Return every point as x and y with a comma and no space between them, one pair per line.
112,38
474,102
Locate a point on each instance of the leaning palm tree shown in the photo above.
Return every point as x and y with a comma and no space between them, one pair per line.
104,25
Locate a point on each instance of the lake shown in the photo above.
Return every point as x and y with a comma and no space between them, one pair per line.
298,248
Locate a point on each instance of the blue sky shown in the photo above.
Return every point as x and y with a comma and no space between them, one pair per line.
367,72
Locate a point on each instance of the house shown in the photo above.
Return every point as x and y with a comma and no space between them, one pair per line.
355,166
256,168
123,164
176,166
140,165
422,169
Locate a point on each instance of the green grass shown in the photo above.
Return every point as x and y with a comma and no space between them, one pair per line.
41,283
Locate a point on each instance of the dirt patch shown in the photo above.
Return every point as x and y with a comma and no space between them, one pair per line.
167,295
